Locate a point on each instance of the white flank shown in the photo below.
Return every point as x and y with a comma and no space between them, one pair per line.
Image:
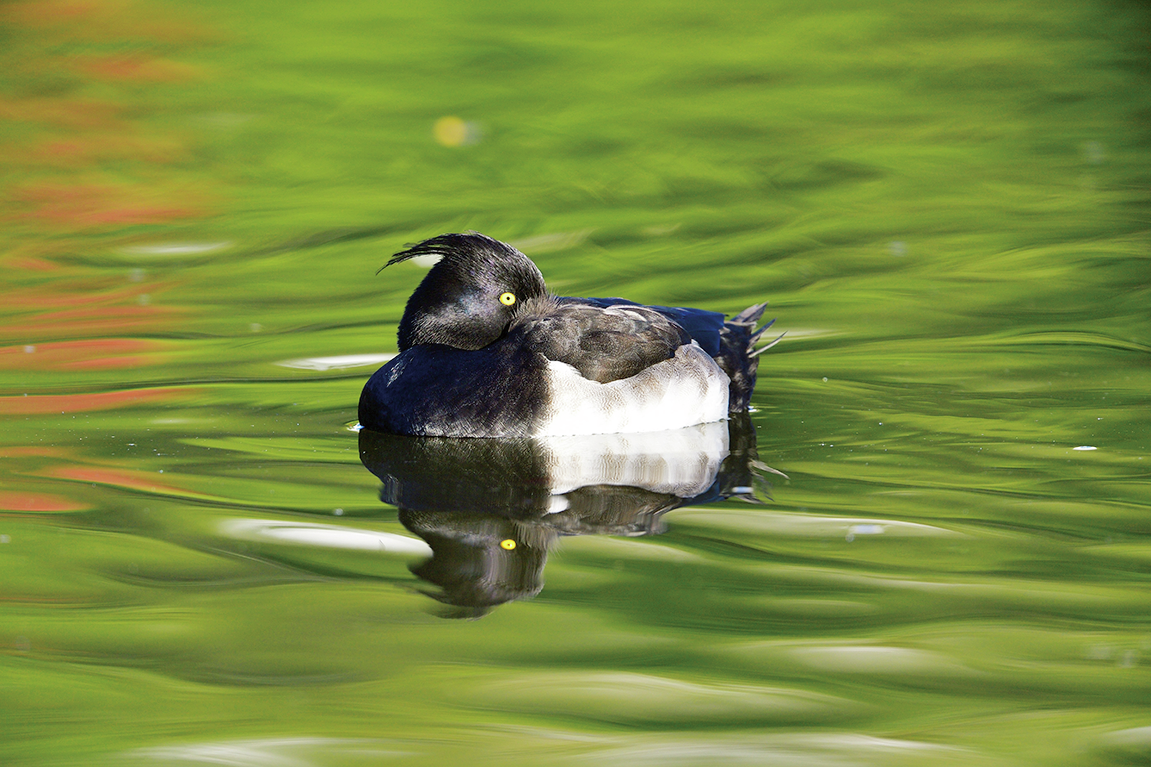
686,390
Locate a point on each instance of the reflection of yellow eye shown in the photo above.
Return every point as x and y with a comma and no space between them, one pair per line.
508,544
507,299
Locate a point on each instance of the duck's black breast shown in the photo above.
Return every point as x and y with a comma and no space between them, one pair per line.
437,390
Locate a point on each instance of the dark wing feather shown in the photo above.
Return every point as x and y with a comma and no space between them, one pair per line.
603,343
732,343
702,325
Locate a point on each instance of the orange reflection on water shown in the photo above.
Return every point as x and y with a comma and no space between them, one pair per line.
142,481
104,19
84,205
137,67
38,502
74,113
72,150
95,320
44,404
76,162
88,354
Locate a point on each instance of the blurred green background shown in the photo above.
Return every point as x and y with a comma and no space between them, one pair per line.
947,207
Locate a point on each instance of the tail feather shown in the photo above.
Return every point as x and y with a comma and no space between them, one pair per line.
739,356
754,338
749,316
760,350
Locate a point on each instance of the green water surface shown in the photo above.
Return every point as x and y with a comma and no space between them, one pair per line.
947,205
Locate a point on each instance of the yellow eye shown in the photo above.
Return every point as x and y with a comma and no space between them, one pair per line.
507,299
508,544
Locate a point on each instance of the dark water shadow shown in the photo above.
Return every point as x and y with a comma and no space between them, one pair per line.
491,510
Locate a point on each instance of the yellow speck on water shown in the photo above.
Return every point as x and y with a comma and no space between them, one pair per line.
451,131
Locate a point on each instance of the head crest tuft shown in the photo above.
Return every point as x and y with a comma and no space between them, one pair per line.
466,245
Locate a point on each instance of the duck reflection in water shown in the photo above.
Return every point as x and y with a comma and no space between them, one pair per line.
491,509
